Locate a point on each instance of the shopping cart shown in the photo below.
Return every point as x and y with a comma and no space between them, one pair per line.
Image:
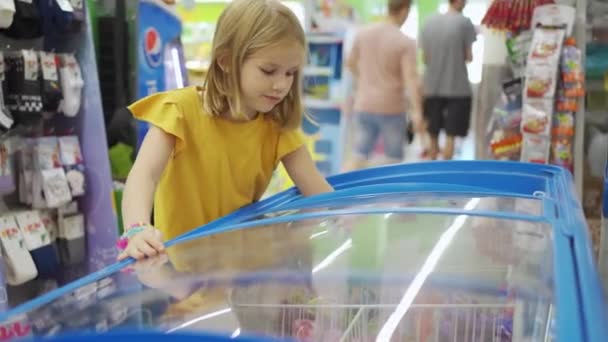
445,251
461,320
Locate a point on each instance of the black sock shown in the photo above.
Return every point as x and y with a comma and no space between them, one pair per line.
27,22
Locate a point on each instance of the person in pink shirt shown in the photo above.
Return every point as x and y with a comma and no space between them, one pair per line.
383,63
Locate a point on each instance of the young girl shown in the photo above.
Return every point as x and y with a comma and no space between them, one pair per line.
212,150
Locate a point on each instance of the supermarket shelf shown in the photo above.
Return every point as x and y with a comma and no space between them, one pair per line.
321,104
324,39
318,71
197,66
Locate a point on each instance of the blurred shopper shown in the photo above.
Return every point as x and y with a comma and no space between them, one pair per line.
383,62
446,41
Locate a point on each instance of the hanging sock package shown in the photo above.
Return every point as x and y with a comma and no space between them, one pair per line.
71,84
7,13
73,164
50,185
6,119
24,99
71,240
49,220
62,16
19,265
26,170
38,242
27,22
7,179
51,88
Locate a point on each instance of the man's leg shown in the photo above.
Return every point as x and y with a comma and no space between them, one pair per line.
366,137
433,146
393,129
448,149
457,123
433,114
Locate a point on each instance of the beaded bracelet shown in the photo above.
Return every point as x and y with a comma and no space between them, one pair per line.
133,229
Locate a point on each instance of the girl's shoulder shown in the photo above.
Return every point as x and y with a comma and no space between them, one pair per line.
188,96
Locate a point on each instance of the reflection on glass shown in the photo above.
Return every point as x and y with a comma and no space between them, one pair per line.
388,277
528,206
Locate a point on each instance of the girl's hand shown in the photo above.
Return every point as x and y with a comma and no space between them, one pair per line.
147,243
150,266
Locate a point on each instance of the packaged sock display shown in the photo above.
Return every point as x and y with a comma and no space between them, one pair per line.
22,71
71,84
45,156
55,188
62,16
7,13
41,92
71,158
71,242
7,180
27,22
51,89
18,261
6,119
38,242
49,220
34,82
26,173
50,186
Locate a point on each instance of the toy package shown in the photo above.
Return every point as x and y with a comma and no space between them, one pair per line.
504,128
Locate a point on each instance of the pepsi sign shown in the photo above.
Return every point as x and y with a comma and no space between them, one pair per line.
153,47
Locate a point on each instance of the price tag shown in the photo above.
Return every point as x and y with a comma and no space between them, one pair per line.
30,64
49,66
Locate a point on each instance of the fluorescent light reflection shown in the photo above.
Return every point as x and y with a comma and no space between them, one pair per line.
445,240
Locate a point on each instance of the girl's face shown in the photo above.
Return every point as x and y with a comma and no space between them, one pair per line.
268,75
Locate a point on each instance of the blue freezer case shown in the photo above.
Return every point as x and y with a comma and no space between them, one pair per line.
458,251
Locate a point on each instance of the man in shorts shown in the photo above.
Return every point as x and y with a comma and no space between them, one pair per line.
446,41
383,63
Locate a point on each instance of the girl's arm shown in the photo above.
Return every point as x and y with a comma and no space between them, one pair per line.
157,273
138,197
304,173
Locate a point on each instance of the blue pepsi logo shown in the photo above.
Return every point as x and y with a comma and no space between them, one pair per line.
153,47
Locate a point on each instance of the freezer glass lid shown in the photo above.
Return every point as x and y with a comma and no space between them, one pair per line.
387,277
397,201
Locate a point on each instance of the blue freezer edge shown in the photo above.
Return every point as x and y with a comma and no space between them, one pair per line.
577,286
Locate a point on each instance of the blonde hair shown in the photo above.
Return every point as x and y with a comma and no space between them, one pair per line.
244,28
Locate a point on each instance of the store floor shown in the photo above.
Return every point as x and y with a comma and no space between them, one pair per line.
465,149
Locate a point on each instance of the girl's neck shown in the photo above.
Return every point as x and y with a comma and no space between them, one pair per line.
250,117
